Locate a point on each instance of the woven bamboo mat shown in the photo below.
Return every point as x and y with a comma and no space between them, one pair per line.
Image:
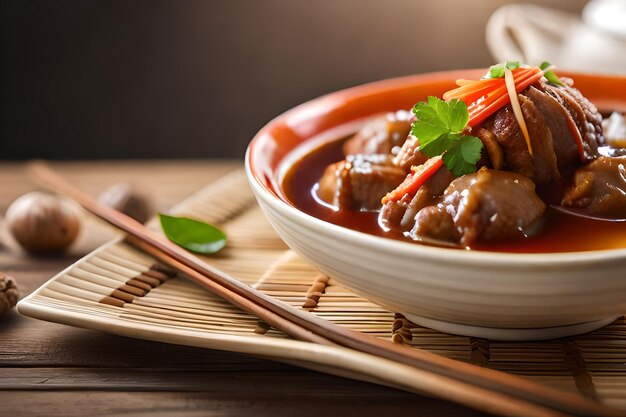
119,284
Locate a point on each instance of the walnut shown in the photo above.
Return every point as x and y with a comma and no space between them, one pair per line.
43,223
8,293
129,200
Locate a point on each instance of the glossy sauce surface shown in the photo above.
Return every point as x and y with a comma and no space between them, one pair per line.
560,232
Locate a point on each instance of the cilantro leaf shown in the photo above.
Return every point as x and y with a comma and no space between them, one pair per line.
428,127
462,156
454,113
437,146
550,76
439,129
437,117
497,71
470,147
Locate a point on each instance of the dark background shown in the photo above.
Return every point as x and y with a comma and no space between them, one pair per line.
196,79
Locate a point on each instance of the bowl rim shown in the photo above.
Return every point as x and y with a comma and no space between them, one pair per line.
383,244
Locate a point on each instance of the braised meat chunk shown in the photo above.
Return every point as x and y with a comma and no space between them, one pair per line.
486,205
380,136
493,150
585,115
400,214
359,182
434,222
542,165
409,154
561,125
599,188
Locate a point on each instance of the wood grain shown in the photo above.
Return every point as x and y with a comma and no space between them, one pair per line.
84,361
246,401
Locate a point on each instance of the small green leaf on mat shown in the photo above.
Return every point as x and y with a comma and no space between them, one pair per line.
193,235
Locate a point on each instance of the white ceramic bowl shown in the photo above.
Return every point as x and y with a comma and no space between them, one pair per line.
474,293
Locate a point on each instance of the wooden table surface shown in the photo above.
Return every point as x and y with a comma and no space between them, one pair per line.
56,370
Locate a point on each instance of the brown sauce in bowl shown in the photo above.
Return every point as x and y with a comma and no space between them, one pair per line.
560,232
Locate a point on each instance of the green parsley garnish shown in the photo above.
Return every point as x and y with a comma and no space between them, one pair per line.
550,76
497,71
439,129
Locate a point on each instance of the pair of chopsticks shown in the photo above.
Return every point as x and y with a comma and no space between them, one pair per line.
480,388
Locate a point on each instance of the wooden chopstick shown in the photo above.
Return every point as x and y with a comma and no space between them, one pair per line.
482,388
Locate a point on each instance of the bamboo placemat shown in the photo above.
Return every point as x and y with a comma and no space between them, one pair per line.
120,285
